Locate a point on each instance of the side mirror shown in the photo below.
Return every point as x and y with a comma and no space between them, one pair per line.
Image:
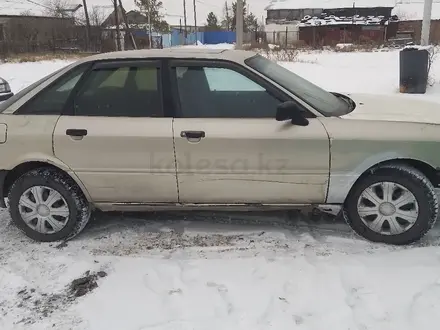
5,96
290,111
5,90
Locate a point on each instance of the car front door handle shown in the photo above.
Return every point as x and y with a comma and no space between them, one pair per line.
192,134
76,132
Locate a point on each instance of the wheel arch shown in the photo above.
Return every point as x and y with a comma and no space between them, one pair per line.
429,171
25,167
340,185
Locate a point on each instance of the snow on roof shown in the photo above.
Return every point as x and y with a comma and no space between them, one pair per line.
414,11
328,4
333,20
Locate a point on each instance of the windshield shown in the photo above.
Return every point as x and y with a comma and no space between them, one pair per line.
5,104
326,103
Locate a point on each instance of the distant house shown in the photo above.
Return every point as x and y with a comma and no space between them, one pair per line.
410,21
137,24
327,21
284,11
25,27
332,30
134,18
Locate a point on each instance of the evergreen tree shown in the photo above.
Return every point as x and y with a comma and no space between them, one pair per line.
153,7
212,22
250,22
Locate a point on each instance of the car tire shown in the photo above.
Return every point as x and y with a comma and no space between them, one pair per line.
371,217
61,211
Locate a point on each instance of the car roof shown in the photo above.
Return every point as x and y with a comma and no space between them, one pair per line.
175,52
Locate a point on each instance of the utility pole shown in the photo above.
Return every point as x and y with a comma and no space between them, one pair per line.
426,24
86,13
184,20
124,17
150,37
239,25
118,34
195,18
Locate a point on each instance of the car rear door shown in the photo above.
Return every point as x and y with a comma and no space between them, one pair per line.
229,147
114,128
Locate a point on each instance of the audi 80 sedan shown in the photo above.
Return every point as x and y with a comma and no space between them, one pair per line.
213,129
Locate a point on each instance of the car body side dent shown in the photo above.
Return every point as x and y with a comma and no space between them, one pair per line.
340,183
358,145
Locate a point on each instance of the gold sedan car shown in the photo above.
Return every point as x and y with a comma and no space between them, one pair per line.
212,129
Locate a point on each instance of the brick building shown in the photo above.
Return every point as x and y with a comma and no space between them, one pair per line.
410,21
334,30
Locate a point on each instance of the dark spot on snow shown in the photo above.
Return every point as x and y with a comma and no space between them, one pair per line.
298,319
175,291
83,285
37,305
102,274
61,245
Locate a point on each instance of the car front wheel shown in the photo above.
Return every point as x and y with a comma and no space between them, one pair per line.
394,204
48,206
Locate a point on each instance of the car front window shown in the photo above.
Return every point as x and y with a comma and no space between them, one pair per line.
325,102
5,104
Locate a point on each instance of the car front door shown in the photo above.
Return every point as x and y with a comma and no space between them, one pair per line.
114,126
229,147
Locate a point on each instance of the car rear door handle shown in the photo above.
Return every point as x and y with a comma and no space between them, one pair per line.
192,134
76,132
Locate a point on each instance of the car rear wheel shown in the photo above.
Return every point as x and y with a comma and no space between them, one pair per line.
394,204
48,206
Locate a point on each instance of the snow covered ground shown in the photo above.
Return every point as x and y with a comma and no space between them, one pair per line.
195,271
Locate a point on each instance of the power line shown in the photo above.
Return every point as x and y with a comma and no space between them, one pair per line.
38,4
208,4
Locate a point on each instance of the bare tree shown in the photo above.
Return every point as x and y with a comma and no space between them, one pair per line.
56,8
96,16
26,13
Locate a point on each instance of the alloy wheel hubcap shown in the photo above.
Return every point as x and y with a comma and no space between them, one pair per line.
44,209
388,208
